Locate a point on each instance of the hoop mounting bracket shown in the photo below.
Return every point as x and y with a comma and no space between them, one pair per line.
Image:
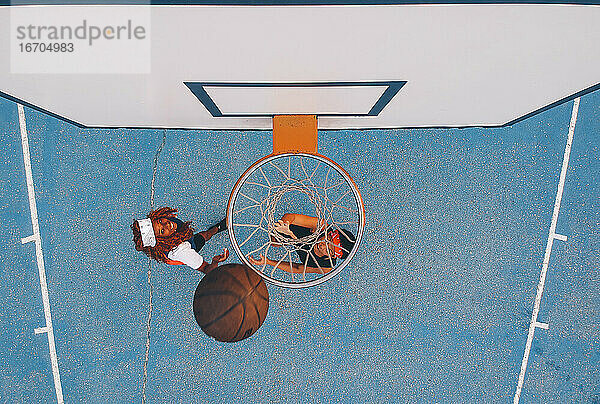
294,134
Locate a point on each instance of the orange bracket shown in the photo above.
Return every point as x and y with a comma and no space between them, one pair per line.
294,134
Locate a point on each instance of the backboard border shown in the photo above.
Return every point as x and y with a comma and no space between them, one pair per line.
197,88
510,123
291,3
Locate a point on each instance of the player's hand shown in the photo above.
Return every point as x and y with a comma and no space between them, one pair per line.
262,260
221,257
283,228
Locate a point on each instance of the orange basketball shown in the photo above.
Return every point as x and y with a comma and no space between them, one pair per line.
231,302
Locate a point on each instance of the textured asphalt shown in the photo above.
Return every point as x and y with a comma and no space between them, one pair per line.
435,306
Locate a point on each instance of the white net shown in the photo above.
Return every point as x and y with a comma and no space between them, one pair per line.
295,184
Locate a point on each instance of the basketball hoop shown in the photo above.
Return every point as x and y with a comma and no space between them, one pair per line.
294,181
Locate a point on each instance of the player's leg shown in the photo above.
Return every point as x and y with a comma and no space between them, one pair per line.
211,231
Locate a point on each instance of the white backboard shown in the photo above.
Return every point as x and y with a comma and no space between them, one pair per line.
232,67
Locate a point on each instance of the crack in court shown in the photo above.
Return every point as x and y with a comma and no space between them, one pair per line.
150,303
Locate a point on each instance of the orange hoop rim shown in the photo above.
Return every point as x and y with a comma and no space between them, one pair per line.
357,198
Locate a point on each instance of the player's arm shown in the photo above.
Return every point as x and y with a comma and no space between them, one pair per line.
302,220
296,268
293,267
206,267
185,254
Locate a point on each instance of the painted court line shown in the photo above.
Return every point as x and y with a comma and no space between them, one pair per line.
551,236
35,237
29,239
560,237
41,330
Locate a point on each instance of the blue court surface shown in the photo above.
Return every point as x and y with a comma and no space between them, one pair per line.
435,307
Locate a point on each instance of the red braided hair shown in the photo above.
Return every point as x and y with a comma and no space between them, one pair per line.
163,244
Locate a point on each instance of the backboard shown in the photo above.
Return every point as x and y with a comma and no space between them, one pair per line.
355,67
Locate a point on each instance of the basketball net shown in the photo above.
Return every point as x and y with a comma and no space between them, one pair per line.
324,211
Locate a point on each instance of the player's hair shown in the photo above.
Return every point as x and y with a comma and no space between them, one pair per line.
163,244
347,240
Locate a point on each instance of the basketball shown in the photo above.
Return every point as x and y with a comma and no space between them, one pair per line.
231,302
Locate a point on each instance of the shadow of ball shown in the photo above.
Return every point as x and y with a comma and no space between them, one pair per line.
231,302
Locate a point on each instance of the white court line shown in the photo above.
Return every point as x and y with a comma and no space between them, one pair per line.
29,239
35,237
560,237
551,236
41,330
